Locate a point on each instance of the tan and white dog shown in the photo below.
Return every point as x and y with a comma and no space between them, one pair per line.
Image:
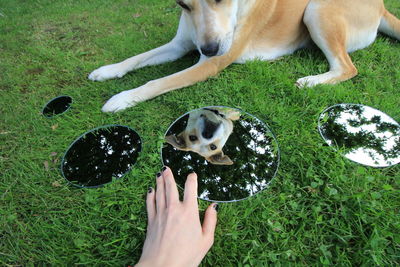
235,31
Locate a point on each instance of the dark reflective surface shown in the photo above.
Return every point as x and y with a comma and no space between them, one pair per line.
57,106
250,145
100,155
364,134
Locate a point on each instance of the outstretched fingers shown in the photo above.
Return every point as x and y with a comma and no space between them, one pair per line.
167,192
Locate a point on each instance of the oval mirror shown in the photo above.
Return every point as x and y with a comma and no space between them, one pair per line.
234,153
363,134
57,106
101,155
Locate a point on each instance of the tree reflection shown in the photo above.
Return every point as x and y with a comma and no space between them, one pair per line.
101,155
57,106
252,148
367,136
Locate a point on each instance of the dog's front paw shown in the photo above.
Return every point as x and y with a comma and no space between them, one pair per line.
122,101
107,72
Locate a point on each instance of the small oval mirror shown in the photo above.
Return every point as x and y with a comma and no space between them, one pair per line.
234,153
101,155
364,134
57,106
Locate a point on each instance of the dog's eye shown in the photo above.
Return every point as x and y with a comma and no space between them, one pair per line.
192,138
183,5
213,147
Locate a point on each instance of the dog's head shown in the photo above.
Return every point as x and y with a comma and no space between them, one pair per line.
206,133
213,23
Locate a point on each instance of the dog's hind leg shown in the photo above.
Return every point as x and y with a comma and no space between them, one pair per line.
390,25
330,34
171,51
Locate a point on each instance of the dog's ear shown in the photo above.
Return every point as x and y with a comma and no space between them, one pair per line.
231,114
220,159
176,141
234,115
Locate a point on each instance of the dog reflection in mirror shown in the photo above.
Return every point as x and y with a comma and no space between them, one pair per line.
206,133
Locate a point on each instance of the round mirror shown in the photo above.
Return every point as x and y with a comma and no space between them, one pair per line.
234,153
364,134
57,106
101,155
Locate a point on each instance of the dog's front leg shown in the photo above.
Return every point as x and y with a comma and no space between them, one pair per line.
171,51
199,72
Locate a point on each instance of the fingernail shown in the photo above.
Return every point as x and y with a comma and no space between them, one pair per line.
164,168
150,190
216,207
158,175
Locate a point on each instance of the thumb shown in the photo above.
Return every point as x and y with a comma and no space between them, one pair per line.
210,222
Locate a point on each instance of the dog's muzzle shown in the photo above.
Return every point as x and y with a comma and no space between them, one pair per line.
210,49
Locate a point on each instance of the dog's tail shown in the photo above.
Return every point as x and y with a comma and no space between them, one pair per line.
390,25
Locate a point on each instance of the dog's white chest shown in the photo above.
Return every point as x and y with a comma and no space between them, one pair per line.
267,52
263,54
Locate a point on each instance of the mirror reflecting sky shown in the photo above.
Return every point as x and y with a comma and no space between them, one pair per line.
57,106
100,155
366,135
234,153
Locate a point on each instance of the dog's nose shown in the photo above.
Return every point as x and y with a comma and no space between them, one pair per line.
207,134
209,129
210,49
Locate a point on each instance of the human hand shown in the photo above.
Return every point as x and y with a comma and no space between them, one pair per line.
175,236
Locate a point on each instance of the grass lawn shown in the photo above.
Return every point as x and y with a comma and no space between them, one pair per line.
321,208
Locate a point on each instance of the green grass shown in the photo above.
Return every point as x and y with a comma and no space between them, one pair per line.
321,208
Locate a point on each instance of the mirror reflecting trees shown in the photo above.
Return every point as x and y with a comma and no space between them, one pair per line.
234,153
57,106
101,155
364,134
